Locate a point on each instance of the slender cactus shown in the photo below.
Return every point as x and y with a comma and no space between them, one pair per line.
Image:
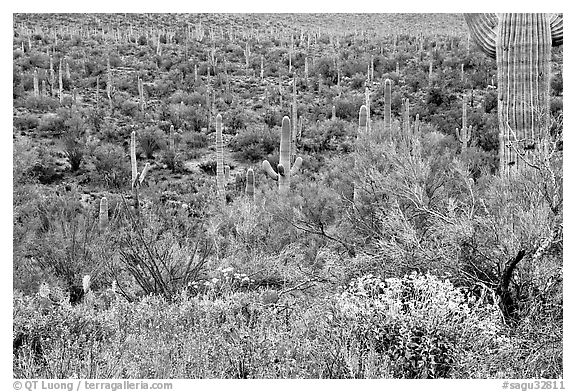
521,45
464,136
464,113
103,215
60,84
417,125
171,143
406,122
250,183
294,121
36,89
220,178
388,107
367,98
284,171
137,178
362,130
109,83
52,78
363,120
141,94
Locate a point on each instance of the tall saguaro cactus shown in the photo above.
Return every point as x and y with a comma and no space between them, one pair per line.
250,183
284,171
220,179
103,215
387,107
521,45
137,178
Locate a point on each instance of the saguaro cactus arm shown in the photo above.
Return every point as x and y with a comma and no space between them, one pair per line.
269,171
557,29
296,167
483,30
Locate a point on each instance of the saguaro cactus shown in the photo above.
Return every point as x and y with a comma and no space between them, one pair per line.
36,89
521,45
387,107
294,120
367,98
284,171
60,84
363,120
103,215
464,136
250,183
137,178
220,178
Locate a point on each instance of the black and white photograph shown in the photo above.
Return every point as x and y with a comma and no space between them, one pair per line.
287,196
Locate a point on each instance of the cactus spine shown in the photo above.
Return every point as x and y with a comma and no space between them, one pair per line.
103,215
220,178
284,171
521,45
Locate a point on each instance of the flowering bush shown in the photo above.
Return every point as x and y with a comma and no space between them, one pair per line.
423,327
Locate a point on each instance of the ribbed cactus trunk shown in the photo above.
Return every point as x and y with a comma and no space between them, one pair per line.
60,83
367,98
284,164
521,44
284,170
36,88
103,215
220,185
388,108
294,121
362,130
250,184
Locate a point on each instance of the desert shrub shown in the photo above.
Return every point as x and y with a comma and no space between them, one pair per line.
42,103
254,143
208,167
24,157
195,140
234,121
418,326
26,122
112,165
74,141
150,140
162,251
